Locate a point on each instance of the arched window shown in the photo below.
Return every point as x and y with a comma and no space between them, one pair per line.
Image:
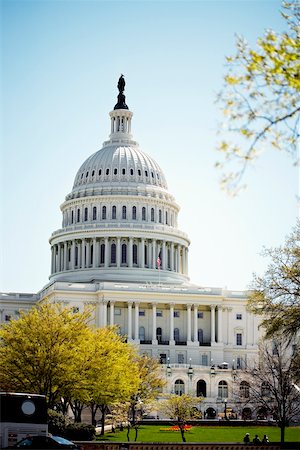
143,213
91,255
176,335
201,388
200,335
123,212
265,389
78,215
103,212
134,254
244,389
102,253
76,256
115,171
94,212
113,254
179,387
131,171
114,212
145,255
159,216
134,213
124,254
222,389
142,333
123,171
159,334
107,171
72,217
152,214
85,214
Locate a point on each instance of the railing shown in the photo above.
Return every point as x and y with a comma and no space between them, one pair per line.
184,446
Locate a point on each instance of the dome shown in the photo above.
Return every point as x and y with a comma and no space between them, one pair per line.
119,164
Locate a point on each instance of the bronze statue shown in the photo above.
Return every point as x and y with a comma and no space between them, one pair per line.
121,83
121,97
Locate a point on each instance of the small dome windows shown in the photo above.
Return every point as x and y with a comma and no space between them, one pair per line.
82,175
146,173
87,174
93,173
152,174
123,171
131,171
107,172
115,171
139,172
100,172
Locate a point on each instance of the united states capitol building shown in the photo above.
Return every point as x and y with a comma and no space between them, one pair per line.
120,249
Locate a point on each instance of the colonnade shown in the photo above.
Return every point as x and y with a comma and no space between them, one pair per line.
118,252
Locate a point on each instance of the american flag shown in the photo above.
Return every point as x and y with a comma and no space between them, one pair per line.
158,262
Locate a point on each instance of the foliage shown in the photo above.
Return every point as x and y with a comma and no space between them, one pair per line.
39,352
57,422
260,100
276,295
80,432
180,409
271,384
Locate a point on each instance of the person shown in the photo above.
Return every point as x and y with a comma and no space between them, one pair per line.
265,439
256,439
247,438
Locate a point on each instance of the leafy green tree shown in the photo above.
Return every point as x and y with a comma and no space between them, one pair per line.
260,100
39,351
276,295
180,409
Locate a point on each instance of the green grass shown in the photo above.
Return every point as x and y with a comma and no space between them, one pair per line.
152,433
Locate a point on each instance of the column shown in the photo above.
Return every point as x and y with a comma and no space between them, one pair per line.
104,312
178,258
59,258
195,323
229,326
186,260
220,323
172,323
118,252
189,324
88,254
142,253
65,254
136,321
106,253
97,253
164,256
52,259
130,253
83,253
129,331
94,253
154,253
172,256
73,255
111,313
79,254
154,339
212,324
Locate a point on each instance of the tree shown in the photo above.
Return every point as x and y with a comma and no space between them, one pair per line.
271,384
276,294
260,100
39,351
180,409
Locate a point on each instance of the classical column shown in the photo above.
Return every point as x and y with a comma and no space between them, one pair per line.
189,324
142,253
83,253
88,253
164,254
220,323
104,312
154,338
172,256
94,253
195,323
172,322
212,324
178,258
73,255
130,252
59,257
106,252
79,255
136,321
118,252
52,259
186,260
229,326
111,313
65,254
129,331
97,253
154,253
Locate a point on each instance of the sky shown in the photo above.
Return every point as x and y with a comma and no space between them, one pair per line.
61,61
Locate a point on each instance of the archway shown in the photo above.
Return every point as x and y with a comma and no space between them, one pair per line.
201,388
246,414
210,413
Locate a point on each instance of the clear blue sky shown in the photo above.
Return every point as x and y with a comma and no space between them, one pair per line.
60,64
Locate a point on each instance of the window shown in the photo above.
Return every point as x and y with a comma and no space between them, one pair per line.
166,217
265,389
107,172
159,313
176,335
200,314
93,173
115,171
100,172
146,173
134,213
94,213
239,316
239,362
117,311
102,253
142,312
159,216
204,360
113,254
200,335
244,389
143,213
114,212
180,358
103,212
201,388
123,172
142,333
78,215
152,174
85,214
72,217
124,254
139,172
179,387
146,255
134,254
176,313
239,340
7,318
76,256
159,334
131,171
86,175
223,389
163,358
123,212
152,214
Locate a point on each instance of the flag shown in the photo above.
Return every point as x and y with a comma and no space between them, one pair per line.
158,262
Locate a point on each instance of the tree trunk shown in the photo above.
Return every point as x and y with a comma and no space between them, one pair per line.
128,430
282,431
182,433
103,414
93,414
136,428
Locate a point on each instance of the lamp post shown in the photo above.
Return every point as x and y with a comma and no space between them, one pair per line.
225,408
169,370
190,375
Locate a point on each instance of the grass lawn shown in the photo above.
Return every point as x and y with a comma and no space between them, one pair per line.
153,433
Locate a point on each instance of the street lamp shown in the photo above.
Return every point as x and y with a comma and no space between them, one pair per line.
190,370
169,370
225,408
